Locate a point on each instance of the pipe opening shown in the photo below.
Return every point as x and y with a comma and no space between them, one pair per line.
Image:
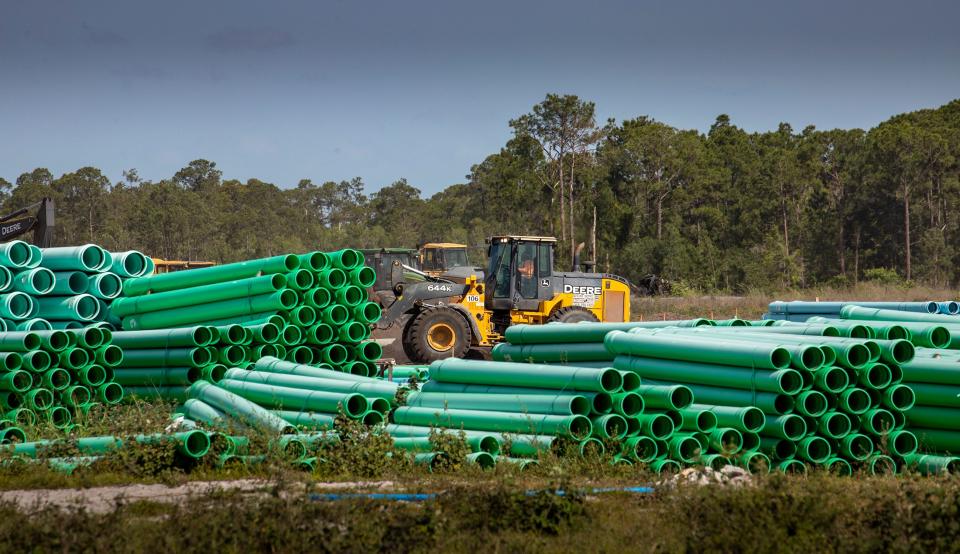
858,332
835,379
780,358
858,355
291,262
59,379
882,465
856,401
932,307
901,397
291,335
840,467
749,441
201,356
681,397
580,427
77,358
112,355
19,253
371,418
602,403
631,381
41,399
730,440
337,314
382,405
904,443
794,427
366,277
880,421
813,403
811,358
783,404
644,449
86,307
303,355
352,295
631,404
59,416
903,352
95,375
288,299
611,380
111,393
350,258
354,405
134,263
371,351
319,297
194,374
785,449
336,353
829,356
335,278
304,315
940,337
12,361
19,304
706,421
752,419
196,444
838,424
91,257
816,449
21,381
579,405
202,336
687,449
42,280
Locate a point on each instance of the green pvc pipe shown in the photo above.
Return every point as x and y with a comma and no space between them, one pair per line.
574,426
82,307
938,440
899,398
18,381
609,426
873,314
177,393
692,349
38,399
363,277
877,421
291,335
238,407
129,264
303,355
804,352
284,299
158,376
631,381
684,448
748,418
811,403
317,297
15,253
834,425
350,296
838,466
551,353
928,394
931,370
109,355
452,370
302,316
368,388
59,417
75,395
88,258
110,393
784,381
332,279
874,376
927,464
879,464
199,410
55,379
726,440
352,333
664,465
264,333
334,314
6,279
854,401
275,365
814,449
35,324
169,357
641,449
698,420
105,286
346,259
478,441
309,420
656,425
35,281
89,337
831,380
902,443
164,338
770,403
10,361
69,283
584,332
290,398
241,288
561,404
754,461
627,404
74,358
934,417
299,279
778,449
209,275
92,375
16,305
370,351
314,261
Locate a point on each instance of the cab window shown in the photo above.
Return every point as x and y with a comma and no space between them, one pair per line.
430,259
499,268
544,263
527,269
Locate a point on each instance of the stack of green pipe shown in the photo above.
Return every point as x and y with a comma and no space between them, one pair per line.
309,308
278,394
830,396
55,375
190,445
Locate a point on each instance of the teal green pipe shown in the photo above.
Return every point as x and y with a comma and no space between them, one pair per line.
291,335
368,388
304,355
89,337
656,425
6,279
10,361
935,417
811,403
852,329
631,381
784,381
562,404
170,357
109,355
164,338
35,281
15,253
209,275
252,286
697,350
900,398
16,305
874,376
812,329
105,286
931,370
88,258
289,398
575,426
748,418
284,299
927,464
831,380
35,324
452,370
82,307
551,353
38,399
264,332
193,444
334,314
802,352
478,441
873,314
238,407
274,317
584,332
129,264
199,410
92,375
74,358
672,397
627,404
69,283
877,421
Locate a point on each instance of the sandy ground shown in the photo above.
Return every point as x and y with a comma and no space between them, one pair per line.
106,499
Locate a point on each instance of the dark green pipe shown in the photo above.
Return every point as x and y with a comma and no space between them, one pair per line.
877,421
831,380
171,357
698,420
742,419
778,449
935,417
928,394
900,398
164,338
768,402
834,425
927,464
811,403
158,376
854,401
938,440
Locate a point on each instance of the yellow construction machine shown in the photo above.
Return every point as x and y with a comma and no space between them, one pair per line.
439,318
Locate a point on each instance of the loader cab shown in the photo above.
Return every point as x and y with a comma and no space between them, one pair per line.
520,273
436,258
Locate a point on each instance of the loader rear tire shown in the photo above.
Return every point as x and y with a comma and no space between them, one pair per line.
435,334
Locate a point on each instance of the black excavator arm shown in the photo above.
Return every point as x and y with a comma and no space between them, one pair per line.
25,220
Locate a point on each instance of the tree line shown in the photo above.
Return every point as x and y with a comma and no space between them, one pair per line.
725,210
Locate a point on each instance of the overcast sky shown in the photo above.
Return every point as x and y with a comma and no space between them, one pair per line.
329,90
